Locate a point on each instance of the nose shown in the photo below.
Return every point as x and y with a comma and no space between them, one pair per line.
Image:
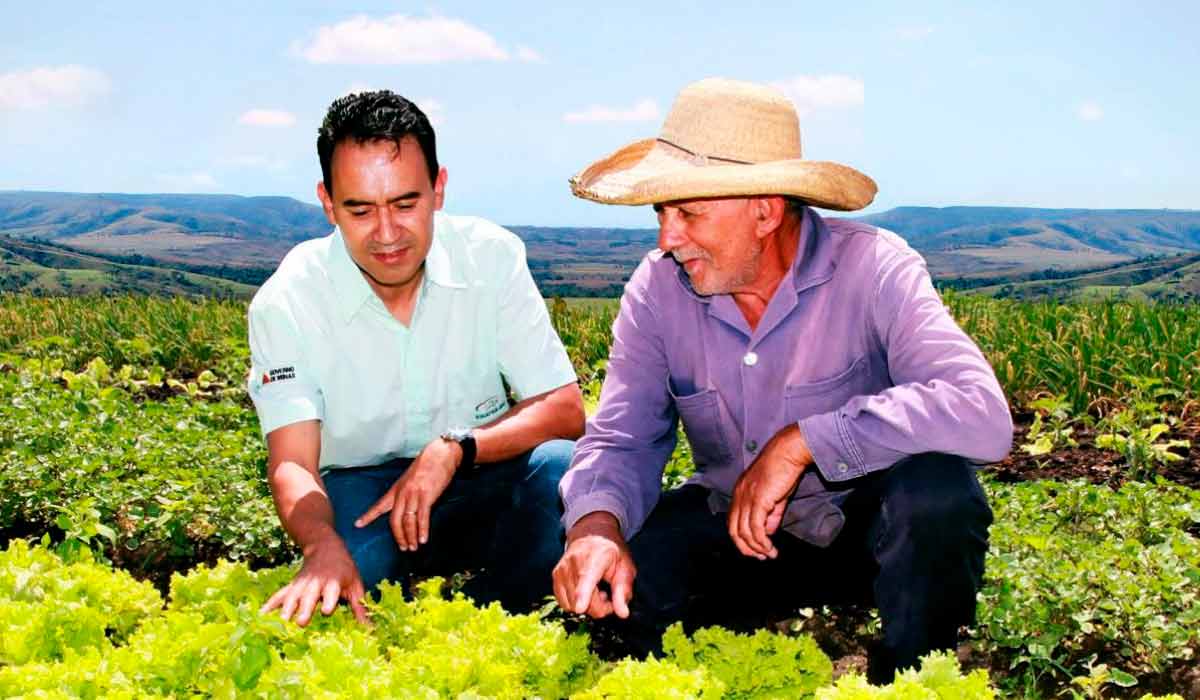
387,231
670,231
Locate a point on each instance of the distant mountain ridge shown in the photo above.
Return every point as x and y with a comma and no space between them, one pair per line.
227,230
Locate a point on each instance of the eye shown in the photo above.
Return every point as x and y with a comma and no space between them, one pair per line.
358,213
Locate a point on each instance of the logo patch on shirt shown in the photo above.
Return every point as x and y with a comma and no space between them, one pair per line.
278,374
490,407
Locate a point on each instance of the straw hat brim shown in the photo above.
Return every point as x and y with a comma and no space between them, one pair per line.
650,172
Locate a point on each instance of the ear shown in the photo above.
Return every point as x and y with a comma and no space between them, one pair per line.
768,213
326,202
439,189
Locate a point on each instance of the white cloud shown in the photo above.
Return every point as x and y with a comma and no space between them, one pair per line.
528,55
435,110
188,182
267,117
1090,112
399,39
69,86
643,111
819,92
913,32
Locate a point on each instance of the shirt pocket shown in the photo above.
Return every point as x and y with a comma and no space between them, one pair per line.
825,395
701,417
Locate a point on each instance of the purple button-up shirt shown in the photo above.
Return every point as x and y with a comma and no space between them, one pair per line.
855,346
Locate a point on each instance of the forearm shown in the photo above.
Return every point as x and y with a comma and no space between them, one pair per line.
302,504
555,414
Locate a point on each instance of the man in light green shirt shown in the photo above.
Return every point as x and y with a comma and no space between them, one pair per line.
380,356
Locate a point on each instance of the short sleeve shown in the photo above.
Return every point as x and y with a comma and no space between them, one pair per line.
531,355
280,382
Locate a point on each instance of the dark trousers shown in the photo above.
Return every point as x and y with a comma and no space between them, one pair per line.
913,545
501,522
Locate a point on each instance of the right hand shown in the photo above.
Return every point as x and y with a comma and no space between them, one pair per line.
595,552
329,575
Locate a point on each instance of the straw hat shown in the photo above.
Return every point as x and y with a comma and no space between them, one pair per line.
723,138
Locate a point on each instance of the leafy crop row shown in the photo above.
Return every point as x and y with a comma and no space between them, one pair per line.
80,629
1078,572
1085,352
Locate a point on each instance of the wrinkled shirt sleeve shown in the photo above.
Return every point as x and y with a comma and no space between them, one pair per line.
945,396
531,355
618,464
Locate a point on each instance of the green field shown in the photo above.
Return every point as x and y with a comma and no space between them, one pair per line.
127,433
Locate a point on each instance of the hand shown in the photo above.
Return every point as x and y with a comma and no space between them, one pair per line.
411,498
328,574
595,552
762,491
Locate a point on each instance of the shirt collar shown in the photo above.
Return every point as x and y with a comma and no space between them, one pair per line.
351,287
813,264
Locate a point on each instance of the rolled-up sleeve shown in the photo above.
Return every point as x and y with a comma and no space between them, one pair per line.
280,382
531,355
945,396
618,464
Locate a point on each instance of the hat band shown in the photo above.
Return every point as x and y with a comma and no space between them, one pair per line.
701,158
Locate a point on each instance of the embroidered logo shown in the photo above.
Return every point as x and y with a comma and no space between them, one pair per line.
490,407
278,374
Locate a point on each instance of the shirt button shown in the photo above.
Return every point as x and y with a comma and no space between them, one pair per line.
750,359
842,467
751,446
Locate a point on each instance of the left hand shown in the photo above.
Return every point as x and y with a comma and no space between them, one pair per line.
411,498
762,491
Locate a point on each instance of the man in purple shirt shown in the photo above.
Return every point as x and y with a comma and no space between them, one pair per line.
833,406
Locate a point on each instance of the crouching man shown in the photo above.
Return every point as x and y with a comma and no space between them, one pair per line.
380,355
833,406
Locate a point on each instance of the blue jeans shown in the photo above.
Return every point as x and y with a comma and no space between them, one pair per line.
913,545
500,521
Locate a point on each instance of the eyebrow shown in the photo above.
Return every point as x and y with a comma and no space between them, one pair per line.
363,203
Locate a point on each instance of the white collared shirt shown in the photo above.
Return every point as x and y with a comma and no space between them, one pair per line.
323,346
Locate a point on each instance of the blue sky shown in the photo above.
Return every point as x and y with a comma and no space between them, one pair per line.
1076,105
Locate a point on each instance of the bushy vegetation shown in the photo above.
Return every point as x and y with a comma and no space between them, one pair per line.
126,430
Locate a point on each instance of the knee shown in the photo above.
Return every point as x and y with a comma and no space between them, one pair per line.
936,496
549,462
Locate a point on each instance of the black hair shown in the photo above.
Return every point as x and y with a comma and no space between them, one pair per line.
379,115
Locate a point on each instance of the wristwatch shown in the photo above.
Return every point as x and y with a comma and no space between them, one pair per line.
465,440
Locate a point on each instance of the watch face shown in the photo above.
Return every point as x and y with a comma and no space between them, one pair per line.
457,434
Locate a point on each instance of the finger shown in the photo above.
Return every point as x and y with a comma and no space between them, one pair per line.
735,514
561,591
383,505
354,596
600,605
423,516
275,600
330,595
412,513
308,601
745,529
622,589
289,602
593,570
758,530
775,517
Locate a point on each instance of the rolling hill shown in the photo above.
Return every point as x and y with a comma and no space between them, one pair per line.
990,247
38,268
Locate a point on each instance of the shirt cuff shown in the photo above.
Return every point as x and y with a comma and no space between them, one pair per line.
281,412
555,377
834,452
594,502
